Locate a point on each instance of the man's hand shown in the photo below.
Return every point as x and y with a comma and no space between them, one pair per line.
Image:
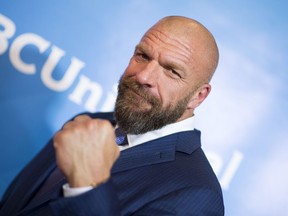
86,151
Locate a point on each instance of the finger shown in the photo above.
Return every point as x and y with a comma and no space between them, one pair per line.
69,124
81,118
75,121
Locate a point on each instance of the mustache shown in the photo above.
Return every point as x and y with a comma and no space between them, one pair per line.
132,85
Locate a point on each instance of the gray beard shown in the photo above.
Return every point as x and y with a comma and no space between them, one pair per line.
133,118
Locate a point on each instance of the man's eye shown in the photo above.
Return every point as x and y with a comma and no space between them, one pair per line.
174,73
141,56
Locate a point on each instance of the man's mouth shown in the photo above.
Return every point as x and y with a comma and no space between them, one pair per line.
136,94
138,99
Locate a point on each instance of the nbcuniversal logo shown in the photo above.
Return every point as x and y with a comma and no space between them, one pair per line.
84,86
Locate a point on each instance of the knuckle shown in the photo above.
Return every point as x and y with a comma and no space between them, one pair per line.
80,118
56,139
106,124
59,137
91,125
68,125
99,125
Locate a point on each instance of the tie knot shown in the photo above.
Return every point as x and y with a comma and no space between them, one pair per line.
121,137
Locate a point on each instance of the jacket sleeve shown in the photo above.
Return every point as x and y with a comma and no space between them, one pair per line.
193,201
102,200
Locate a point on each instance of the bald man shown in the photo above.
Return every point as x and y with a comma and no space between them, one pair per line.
161,169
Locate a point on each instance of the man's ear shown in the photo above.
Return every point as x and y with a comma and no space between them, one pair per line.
199,96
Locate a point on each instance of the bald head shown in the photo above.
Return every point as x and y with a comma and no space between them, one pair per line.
167,76
199,40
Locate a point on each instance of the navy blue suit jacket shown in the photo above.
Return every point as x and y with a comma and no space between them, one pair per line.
166,176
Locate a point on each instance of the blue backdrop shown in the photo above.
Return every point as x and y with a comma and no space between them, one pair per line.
59,58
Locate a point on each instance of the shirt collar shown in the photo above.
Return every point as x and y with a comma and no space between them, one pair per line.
184,125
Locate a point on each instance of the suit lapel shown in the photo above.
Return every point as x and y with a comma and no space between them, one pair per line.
155,151
158,150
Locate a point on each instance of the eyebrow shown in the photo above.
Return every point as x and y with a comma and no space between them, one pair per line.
141,48
174,64
168,63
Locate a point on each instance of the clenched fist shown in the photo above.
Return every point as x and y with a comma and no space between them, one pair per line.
86,151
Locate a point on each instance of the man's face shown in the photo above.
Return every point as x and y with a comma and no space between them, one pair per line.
158,85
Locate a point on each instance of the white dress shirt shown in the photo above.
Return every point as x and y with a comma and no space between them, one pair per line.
134,140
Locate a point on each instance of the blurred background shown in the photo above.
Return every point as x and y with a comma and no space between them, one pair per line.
59,58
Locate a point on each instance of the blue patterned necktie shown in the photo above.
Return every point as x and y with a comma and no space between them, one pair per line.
121,137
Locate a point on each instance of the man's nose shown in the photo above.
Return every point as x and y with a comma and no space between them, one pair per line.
148,74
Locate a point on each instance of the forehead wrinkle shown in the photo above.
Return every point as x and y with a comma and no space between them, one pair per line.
185,46
170,44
